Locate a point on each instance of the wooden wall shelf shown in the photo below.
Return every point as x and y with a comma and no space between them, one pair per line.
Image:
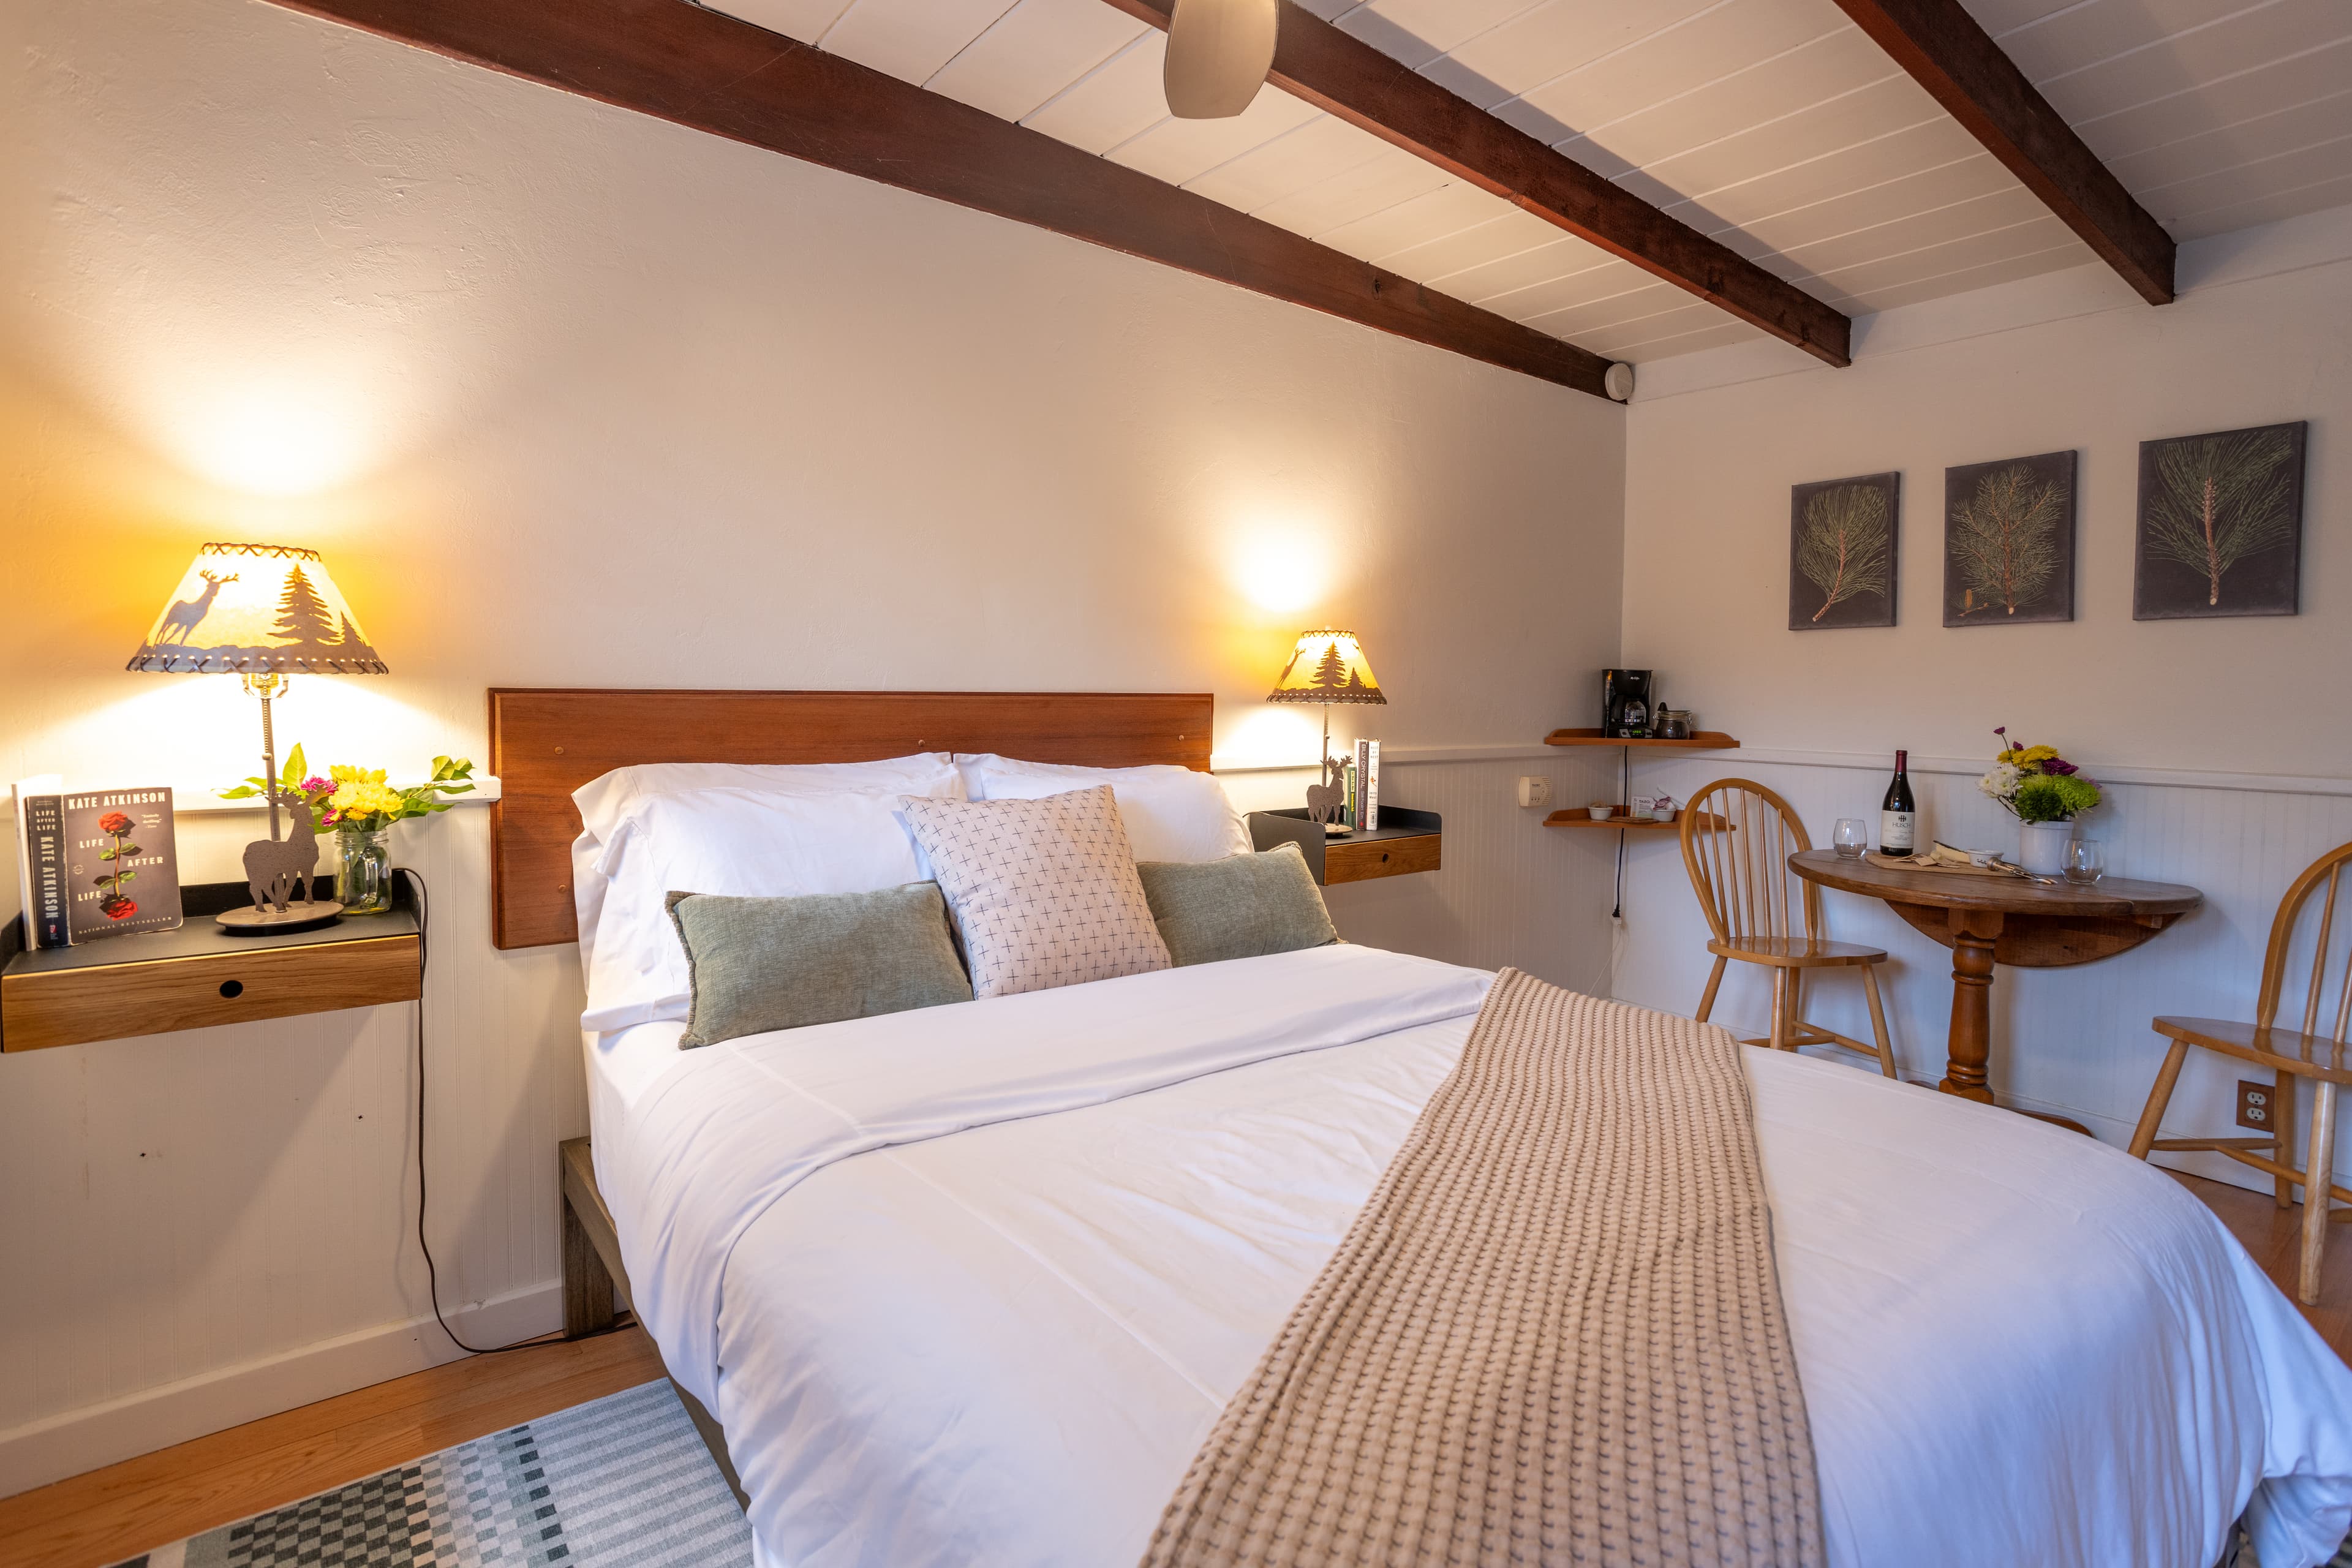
1406,841
1701,740
1628,825
199,975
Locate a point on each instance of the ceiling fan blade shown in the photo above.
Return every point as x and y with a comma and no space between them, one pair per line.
1218,54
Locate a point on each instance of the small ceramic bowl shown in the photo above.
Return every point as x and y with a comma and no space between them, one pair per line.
1662,814
1602,813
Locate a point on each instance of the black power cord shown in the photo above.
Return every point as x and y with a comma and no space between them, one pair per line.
432,1276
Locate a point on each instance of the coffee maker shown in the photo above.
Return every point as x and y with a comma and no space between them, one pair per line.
1625,704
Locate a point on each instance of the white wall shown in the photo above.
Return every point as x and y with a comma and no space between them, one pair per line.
570,397
2224,743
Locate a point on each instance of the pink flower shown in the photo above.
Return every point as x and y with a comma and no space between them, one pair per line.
314,785
328,817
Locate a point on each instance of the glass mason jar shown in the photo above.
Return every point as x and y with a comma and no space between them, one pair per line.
363,875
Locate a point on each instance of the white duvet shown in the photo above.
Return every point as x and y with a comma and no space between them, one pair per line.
969,1284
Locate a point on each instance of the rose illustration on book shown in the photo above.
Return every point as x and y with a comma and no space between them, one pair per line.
117,905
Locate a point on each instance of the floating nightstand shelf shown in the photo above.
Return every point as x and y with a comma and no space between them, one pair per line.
198,975
1405,841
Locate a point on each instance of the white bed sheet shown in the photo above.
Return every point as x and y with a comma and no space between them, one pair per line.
1003,1345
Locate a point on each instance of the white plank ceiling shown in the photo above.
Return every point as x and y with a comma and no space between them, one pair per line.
1774,125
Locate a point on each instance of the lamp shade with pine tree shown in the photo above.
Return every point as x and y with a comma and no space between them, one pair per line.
1328,665
257,609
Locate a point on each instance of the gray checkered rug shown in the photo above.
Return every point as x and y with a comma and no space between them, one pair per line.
621,1482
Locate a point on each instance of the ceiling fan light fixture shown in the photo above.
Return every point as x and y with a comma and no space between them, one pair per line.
1218,54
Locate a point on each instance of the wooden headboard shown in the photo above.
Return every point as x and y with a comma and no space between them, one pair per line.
545,744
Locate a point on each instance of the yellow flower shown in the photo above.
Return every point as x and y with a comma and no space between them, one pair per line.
359,793
2038,754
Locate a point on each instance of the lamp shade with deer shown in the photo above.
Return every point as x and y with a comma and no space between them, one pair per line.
1328,665
265,612
257,609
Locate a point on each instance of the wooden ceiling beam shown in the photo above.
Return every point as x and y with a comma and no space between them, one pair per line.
1945,50
1346,76
713,73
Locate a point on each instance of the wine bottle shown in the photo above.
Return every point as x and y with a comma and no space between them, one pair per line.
1898,816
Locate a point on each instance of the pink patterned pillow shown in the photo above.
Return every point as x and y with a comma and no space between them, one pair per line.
1044,892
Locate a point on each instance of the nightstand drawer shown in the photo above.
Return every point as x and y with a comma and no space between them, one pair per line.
1355,862
111,1001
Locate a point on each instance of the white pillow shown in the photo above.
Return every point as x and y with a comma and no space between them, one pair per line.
1044,892
746,843
603,801
1170,813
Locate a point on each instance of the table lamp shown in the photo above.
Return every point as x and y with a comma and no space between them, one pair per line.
264,612
1326,666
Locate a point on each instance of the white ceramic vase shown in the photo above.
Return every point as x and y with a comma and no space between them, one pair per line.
2041,846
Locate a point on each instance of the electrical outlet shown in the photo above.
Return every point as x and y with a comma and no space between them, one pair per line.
1535,791
2254,1105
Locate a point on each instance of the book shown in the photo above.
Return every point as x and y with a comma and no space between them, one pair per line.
40,861
1367,786
121,867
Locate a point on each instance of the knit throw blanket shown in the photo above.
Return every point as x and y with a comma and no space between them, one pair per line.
1554,1334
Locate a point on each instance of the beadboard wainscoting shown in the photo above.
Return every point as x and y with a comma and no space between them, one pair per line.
2071,1041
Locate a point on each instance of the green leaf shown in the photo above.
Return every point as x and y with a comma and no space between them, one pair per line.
129,849
122,876
295,770
245,791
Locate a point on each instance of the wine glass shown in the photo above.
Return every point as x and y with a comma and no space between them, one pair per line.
2085,865
1852,837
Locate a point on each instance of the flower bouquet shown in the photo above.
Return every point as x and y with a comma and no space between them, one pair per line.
361,808
2045,792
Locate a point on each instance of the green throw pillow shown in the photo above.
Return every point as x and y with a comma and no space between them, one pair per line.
1245,906
783,963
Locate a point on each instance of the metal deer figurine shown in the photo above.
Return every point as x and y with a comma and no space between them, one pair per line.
1324,800
273,865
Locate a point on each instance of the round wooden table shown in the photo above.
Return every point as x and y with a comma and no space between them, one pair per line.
1987,920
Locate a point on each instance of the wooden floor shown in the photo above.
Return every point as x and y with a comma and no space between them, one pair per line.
2274,1236
110,1514
176,1493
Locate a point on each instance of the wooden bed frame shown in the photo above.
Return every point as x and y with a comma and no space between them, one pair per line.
546,743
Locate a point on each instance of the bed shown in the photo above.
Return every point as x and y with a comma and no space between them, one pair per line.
971,1285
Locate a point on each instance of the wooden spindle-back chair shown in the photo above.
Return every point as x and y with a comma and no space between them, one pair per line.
2290,1053
1737,836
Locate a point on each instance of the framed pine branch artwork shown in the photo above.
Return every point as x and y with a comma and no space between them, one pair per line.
2221,524
2009,541
1841,543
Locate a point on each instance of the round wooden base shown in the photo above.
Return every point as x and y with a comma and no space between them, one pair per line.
299,915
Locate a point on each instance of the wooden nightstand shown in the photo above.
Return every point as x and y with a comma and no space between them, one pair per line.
1405,841
197,975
